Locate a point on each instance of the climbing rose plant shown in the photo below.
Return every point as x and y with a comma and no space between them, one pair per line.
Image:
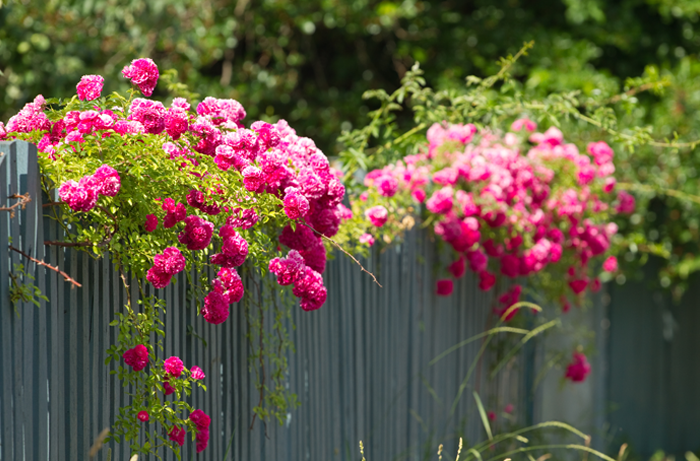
509,206
167,190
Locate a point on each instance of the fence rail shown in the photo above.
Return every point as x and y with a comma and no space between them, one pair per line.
361,368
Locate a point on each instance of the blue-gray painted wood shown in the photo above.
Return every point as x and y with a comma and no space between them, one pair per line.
360,369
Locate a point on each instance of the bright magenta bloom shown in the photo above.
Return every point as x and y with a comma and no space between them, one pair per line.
610,264
173,366
90,87
143,416
143,73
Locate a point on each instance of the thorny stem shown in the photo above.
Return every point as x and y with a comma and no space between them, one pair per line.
66,277
344,251
23,200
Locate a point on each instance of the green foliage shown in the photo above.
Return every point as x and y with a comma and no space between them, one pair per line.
23,289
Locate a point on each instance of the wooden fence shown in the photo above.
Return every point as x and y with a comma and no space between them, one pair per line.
361,368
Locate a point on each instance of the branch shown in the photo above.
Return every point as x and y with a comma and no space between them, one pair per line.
632,92
337,245
23,200
66,277
67,244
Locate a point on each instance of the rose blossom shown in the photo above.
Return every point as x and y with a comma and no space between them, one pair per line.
143,73
90,87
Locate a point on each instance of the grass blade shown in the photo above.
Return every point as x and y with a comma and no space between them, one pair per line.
484,418
522,342
492,331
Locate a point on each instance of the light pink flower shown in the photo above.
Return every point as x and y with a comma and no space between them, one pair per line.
367,239
377,215
197,373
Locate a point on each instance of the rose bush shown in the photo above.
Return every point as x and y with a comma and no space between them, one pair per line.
513,205
175,189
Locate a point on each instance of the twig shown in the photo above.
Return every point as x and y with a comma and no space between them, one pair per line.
67,244
344,251
23,200
632,92
67,277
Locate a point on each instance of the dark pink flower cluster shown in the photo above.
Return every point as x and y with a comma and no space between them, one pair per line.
165,266
175,212
150,114
83,195
505,205
143,73
234,248
201,421
243,218
579,368
136,357
177,435
303,266
310,290
308,244
227,289
90,87
151,223
197,199
290,269
197,233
